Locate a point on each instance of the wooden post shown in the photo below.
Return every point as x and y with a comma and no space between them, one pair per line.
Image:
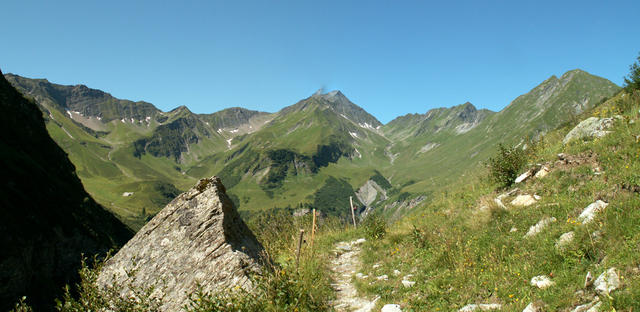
299,247
313,227
353,214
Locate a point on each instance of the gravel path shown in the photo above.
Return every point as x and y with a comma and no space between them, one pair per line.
344,267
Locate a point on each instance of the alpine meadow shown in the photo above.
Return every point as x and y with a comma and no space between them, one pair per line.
293,200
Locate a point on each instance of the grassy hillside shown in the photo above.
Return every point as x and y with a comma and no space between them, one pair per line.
463,248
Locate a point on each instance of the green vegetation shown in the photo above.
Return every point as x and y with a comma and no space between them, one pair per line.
380,180
632,81
374,226
333,197
462,248
506,165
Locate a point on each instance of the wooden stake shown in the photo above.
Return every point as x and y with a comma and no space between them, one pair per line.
313,227
299,247
353,214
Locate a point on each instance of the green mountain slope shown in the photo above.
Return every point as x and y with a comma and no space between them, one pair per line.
284,159
435,158
48,220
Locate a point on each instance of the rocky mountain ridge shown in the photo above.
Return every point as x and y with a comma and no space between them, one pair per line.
287,157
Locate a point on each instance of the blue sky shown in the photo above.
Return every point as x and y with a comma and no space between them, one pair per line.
390,57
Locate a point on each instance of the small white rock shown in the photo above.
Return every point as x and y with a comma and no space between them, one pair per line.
481,307
396,272
589,213
382,277
359,241
523,176
391,308
542,281
375,266
542,172
523,200
564,240
513,229
408,284
588,280
534,307
607,282
535,229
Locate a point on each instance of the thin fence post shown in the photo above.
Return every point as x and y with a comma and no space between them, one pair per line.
313,227
299,247
353,214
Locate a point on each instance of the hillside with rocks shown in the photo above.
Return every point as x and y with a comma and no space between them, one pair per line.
561,235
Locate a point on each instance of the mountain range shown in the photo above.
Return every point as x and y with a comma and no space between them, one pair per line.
134,158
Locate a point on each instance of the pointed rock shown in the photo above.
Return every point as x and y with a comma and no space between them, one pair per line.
197,239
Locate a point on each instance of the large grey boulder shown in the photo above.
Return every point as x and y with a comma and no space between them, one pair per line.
592,127
197,239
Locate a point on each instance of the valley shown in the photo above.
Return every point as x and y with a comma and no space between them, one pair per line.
134,158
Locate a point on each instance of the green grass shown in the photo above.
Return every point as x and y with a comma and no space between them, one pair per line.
460,254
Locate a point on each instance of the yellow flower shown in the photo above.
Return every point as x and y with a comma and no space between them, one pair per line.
510,295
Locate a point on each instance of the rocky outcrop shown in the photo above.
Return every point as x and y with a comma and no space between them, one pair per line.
197,239
368,193
592,127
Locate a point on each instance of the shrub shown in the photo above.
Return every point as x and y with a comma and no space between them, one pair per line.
374,226
632,82
505,166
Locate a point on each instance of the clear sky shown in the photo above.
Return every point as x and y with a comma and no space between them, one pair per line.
390,57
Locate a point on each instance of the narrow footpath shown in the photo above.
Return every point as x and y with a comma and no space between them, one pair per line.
344,267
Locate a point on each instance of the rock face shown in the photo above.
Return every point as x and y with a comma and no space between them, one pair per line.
197,239
592,127
368,193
